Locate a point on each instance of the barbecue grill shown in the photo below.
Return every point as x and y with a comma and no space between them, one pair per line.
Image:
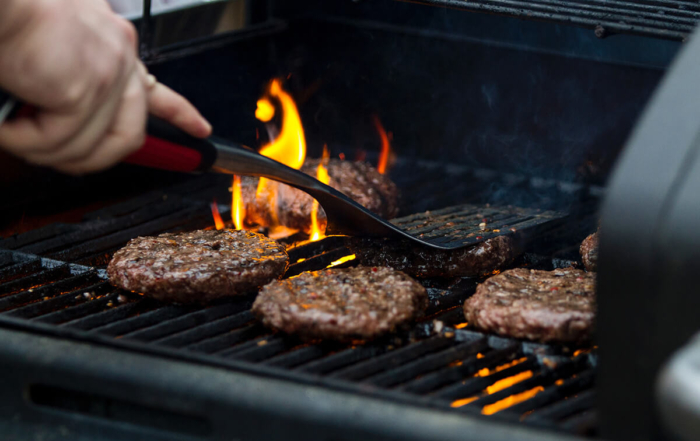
487,111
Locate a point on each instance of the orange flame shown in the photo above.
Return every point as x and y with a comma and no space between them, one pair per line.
321,175
237,206
341,260
218,222
288,148
511,401
384,155
265,110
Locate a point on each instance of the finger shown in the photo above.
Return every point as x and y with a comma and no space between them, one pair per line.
125,136
45,131
169,105
89,137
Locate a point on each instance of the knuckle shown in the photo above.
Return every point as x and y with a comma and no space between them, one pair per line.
129,31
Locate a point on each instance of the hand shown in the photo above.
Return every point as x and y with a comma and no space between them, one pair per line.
76,62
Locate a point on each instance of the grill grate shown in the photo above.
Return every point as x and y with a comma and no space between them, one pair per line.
671,19
437,363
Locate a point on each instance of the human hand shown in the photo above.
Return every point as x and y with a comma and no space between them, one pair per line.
75,61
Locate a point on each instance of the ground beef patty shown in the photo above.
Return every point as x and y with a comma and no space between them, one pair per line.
341,304
589,252
198,266
418,261
548,306
357,180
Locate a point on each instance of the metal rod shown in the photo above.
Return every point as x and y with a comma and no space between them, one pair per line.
145,31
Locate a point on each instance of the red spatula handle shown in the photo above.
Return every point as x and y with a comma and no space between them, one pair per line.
166,146
169,148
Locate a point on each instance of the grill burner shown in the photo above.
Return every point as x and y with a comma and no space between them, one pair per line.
52,280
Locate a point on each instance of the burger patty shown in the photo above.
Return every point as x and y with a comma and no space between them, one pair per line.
341,304
357,180
547,306
589,252
198,266
419,261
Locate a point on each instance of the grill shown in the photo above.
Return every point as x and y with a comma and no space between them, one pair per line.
482,111
664,18
53,281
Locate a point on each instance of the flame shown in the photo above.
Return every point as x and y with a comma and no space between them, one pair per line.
463,402
341,260
511,401
237,206
384,155
289,147
508,382
486,371
462,326
218,222
265,110
498,385
321,175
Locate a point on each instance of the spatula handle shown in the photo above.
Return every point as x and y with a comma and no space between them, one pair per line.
169,148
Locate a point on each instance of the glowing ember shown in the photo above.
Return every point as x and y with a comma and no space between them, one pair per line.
511,401
462,326
463,402
341,260
384,155
508,382
321,175
237,206
218,222
486,371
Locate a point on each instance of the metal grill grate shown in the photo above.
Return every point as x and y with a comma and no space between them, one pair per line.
671,19
438,363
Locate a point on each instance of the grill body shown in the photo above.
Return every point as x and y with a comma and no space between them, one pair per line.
496,110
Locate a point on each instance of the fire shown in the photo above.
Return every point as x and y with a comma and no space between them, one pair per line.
265,110
384,155
463,401
321,175
342,260
511,401
237,206
289,147
508,382
218,222
498,385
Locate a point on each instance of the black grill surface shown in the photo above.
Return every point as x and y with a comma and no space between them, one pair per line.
53,280
672,19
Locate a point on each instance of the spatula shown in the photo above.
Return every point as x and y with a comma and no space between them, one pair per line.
169,148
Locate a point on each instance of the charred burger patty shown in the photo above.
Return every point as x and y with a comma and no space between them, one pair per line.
357,180
198,266
341,304
418,261
589,252
547,306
